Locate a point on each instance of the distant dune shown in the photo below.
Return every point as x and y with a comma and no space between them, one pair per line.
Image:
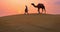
30,23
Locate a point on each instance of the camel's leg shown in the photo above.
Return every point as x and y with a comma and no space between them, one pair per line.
45,11
38,11
42,11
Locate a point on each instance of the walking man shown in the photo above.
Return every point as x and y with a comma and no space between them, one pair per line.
26,10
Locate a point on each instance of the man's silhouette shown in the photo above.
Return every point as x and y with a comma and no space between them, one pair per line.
26,10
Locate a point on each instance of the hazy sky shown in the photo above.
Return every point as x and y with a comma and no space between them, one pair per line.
10,7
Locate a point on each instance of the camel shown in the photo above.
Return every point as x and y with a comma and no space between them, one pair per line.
40,5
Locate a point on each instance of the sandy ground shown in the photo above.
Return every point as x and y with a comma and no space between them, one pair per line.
30,23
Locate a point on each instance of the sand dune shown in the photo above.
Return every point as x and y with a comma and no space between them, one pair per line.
30,23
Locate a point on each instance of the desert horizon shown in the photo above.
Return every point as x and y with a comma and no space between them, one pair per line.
29,15
30,23
11,7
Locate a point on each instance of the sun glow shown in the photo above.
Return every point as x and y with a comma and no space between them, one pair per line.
18,6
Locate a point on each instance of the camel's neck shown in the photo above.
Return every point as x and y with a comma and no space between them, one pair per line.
34,5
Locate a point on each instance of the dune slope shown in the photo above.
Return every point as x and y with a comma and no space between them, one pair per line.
30,23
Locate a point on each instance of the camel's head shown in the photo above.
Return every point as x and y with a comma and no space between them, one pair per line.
32,3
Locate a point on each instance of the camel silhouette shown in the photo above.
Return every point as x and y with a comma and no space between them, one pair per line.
40,5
